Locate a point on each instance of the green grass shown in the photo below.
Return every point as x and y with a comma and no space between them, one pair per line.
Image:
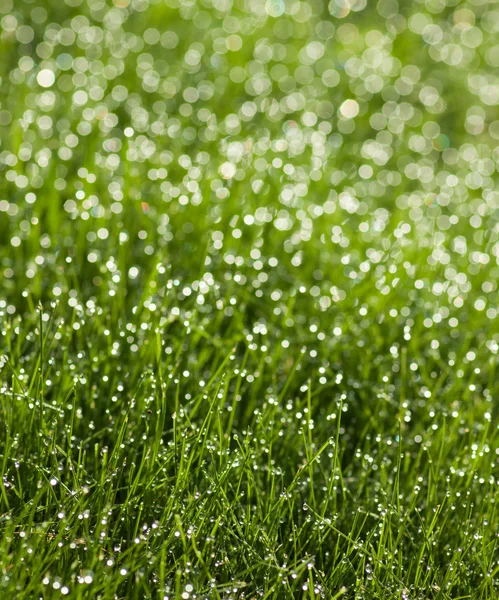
249,337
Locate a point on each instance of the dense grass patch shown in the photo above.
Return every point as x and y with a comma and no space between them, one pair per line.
248,314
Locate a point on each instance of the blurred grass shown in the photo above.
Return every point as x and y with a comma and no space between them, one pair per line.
237,363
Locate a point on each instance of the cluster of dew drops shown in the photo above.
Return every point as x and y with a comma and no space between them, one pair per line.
288,145
343,159
346,153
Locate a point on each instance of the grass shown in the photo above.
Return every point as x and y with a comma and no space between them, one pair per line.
248,312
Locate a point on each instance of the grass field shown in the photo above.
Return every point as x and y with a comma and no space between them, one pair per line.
249,308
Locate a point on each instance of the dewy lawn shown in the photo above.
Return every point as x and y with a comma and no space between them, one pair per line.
248,302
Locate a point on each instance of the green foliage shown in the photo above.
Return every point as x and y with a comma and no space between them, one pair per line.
248,315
